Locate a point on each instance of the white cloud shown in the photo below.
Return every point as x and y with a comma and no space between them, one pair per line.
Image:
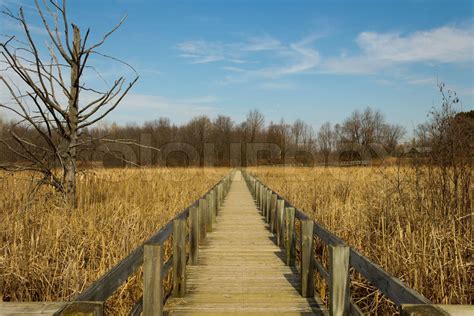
277,86
444,45
379,51
143,107
431,81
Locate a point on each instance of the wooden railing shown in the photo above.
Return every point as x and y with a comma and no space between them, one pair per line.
281,216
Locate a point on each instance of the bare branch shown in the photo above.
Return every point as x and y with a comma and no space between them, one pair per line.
106,36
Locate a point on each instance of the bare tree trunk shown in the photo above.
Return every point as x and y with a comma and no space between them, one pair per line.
70,167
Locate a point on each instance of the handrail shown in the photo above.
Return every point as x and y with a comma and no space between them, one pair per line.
108,283
390,286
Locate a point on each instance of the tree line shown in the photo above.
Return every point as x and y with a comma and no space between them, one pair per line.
296,142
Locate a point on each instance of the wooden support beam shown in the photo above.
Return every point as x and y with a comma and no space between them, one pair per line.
221,194
202,221
257,194
213,205
273,203
179,257
290,237
307,273
436,310
339,286
209,213
152,280
280,222
194,235
83,308
265,203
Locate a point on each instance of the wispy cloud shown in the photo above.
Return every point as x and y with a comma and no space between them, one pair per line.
203,52
291,58
256,44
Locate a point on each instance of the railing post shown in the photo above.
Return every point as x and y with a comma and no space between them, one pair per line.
267,205
273,205
220,193
307,273
212,201
152,280
280,206
194,235
202,221
179,257
290,237
216,202
339,280
209,213
257,194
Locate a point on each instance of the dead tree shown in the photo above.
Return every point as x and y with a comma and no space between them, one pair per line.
52,103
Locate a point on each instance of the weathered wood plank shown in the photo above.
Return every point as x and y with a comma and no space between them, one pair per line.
339,286
307,254
209,213
290,246
273,203
436,310
194,235
280,207
390,286
51,308
152,279
202,221
179,257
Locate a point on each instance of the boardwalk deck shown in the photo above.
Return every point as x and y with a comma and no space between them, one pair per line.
241,270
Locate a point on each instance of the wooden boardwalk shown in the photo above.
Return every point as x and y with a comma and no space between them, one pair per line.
241,270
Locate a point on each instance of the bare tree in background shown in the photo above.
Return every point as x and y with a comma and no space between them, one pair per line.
392,135
45,92
297,129
326,141
253,125
223,126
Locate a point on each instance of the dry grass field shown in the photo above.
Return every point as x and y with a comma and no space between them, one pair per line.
48,253
397,217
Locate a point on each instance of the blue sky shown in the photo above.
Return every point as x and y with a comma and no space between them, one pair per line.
314,60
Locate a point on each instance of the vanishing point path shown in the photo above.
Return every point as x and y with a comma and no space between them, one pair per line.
241,270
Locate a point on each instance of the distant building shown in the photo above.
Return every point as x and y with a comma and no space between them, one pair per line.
414,150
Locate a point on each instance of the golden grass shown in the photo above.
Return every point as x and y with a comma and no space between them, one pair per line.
49,253
393,216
